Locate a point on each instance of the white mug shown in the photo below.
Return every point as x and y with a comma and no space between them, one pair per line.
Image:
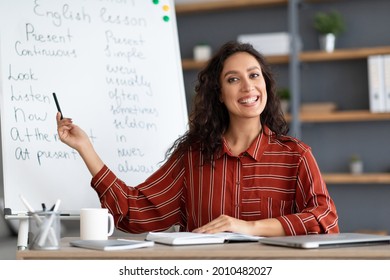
96,224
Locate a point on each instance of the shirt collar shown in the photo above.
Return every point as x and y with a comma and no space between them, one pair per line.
255,150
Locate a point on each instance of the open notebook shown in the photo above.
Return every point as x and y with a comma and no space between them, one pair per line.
327,240
191,238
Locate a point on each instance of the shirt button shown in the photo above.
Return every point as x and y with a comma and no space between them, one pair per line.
238,183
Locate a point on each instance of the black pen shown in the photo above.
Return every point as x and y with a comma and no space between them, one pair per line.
57,104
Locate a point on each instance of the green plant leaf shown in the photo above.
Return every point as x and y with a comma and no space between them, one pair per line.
284,93
331,22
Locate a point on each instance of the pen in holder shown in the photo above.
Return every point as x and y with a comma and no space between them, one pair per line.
44,230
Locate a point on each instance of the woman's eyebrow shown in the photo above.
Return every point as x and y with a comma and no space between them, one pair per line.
230,72
235,72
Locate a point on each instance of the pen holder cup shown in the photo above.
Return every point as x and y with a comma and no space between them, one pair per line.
44,230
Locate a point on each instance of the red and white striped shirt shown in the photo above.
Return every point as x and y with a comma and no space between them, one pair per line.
272,179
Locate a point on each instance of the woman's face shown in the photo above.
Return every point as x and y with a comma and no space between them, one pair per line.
243,88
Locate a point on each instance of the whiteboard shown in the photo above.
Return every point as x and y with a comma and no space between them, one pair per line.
115,68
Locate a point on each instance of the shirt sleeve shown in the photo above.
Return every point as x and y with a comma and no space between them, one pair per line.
315,209
151,206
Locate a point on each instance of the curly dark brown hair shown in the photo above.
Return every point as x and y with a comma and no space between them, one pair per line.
209,118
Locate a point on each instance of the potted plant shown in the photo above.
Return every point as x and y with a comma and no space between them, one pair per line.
284,96
329,26
355,164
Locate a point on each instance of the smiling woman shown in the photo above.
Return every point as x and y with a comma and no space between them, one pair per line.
235,169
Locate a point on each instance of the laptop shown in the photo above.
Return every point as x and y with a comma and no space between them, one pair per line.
327,240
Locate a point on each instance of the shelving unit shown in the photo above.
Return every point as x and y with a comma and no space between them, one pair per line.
307,57
342,80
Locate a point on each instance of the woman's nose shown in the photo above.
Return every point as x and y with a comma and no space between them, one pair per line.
246,85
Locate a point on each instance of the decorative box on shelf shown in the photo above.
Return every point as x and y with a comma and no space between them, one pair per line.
320,107
277,43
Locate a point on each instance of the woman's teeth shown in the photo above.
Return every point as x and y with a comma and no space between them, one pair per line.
248,100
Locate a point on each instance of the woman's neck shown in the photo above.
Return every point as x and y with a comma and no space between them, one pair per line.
240,137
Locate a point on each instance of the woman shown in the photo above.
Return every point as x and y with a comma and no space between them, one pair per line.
234,169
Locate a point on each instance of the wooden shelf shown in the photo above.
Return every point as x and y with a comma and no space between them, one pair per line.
343,54
347,178
190,64
310,56
343,116
218,5
224,5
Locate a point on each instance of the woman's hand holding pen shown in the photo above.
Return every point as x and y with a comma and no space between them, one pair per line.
76,138
71,134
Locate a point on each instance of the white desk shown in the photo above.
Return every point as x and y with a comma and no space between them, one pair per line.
220,251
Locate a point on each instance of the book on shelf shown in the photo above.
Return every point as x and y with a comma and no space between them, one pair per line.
111,244
376,83
192,238
386,66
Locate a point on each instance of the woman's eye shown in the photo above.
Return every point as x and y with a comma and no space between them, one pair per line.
232,80
255,75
